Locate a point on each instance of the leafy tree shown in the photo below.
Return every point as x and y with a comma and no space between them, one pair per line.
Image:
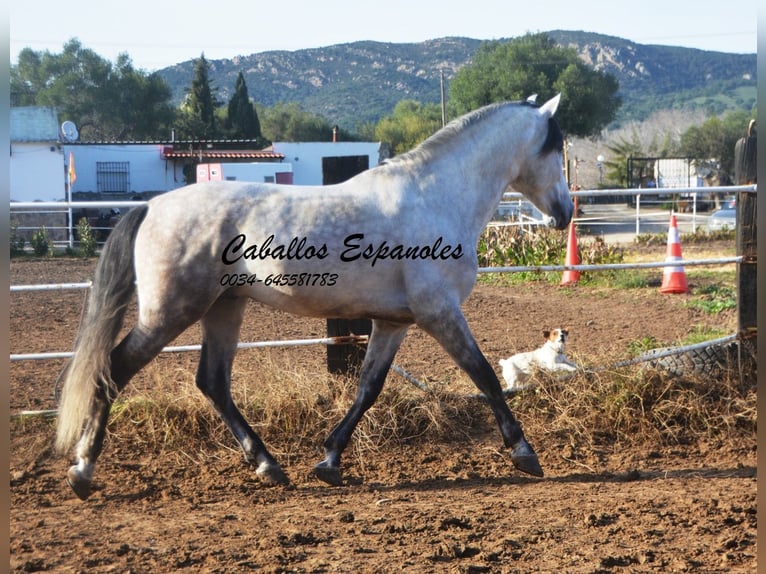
410,123
534,64
198,111
137,105
28,78
288,122
616,165
715,139
106,101
242,119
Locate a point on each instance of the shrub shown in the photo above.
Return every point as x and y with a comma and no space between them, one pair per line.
17,242
510,246
514,246
87,238
41,244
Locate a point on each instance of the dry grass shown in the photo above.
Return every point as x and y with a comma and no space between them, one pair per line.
640,406
292,410
297,410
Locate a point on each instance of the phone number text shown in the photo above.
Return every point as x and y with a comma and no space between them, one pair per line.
280,279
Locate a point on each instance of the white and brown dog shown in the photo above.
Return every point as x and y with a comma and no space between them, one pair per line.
550,357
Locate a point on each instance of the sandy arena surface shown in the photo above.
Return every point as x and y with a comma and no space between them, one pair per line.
424,506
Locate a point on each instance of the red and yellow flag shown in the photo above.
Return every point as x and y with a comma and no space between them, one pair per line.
72,174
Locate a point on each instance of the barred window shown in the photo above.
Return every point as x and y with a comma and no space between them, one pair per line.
113,176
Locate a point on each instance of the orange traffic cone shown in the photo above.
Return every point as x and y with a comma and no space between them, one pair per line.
674,277
570,276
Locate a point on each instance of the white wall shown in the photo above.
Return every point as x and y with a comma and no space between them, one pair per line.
149,171
254,171
37,173
306,157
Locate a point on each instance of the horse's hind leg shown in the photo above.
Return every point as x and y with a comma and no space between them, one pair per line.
220,333
451,330
385,340
135,351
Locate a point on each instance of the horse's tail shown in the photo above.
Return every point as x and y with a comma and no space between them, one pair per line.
90,368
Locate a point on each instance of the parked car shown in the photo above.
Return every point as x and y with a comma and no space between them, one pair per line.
724,218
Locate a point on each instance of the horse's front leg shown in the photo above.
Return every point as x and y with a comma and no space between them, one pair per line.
451,330
384,342
220,333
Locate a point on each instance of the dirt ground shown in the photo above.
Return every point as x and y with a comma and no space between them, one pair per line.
422,507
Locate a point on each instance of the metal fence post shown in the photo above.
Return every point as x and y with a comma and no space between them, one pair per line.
345,359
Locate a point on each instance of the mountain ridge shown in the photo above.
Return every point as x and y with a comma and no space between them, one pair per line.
360,82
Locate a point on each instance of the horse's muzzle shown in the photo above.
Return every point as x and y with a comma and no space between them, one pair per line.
563,215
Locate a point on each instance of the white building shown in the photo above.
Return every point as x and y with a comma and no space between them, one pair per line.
37,165
148,168
324,163
40,161
43,159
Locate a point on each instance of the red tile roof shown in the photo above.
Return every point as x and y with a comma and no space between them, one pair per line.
170,153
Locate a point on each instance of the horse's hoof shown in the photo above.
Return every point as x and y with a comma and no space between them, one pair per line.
525,460
271,474
329,474
80,485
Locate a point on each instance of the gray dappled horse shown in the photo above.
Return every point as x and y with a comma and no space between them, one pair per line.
395,244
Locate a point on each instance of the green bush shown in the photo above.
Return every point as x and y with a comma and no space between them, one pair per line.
41,243
17,242
87,238
511,246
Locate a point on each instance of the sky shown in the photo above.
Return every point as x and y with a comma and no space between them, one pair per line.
157,34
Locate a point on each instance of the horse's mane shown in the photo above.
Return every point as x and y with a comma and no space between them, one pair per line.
448,133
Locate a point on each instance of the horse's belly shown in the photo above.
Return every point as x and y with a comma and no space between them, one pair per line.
345,304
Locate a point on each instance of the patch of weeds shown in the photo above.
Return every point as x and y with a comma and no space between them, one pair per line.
621,279
702,235
511,246
714,299
641,346
649,239
702,333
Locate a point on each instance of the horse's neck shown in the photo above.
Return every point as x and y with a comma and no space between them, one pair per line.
472,177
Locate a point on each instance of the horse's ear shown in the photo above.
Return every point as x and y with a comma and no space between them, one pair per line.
551,105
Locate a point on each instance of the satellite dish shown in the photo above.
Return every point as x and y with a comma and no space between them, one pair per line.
69,131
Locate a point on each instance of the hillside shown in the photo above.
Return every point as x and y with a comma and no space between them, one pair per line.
360,82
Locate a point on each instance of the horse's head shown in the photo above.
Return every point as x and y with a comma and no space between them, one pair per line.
541,177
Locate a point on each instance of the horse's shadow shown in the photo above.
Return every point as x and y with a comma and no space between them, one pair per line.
605,477
152,491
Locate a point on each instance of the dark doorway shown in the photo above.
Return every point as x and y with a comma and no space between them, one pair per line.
340,168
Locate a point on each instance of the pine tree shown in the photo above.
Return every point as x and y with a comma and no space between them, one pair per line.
242,119
199,107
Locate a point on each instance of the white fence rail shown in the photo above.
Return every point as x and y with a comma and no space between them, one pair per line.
642,197
346,340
